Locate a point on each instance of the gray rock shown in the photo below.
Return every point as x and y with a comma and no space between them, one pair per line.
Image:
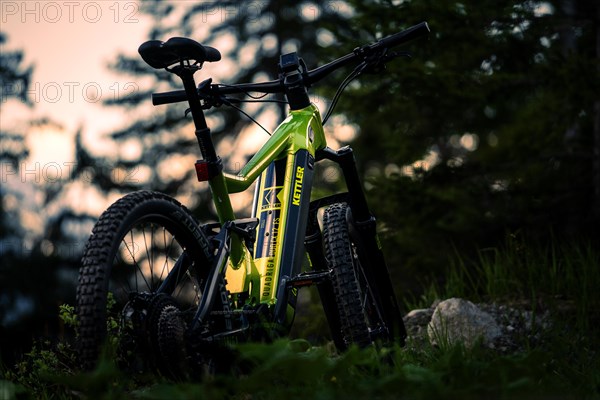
458,320
416,323
420,316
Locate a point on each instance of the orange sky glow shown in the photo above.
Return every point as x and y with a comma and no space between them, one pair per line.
70,44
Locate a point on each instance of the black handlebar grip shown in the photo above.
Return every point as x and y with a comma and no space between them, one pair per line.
405,36
175,96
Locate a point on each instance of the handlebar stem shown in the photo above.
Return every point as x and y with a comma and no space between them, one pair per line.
292,75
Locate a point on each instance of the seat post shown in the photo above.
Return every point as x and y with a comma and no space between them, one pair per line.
207,148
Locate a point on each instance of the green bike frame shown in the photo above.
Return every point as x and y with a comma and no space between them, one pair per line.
283,169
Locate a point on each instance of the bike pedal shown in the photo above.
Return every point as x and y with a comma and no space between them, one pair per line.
309,278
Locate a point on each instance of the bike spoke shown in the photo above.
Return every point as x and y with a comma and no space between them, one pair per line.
149,259
139,268
152,244
167,252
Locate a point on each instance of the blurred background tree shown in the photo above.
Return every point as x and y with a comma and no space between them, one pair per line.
488,130
250,37
15,79
37,272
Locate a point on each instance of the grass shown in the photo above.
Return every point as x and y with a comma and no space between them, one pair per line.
559,278
562,279
563,275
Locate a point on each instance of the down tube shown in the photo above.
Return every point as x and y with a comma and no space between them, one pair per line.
267,208
299,176
281,206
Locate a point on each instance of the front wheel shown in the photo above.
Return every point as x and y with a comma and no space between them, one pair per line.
122,295
364,315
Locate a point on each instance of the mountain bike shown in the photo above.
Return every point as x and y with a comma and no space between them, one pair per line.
172,293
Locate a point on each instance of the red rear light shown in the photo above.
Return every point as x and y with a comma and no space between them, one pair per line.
202,170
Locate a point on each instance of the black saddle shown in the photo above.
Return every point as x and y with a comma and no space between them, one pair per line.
160,54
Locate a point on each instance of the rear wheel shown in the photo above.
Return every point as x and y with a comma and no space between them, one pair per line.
360,302
122,294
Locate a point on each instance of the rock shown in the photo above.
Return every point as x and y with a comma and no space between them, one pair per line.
457,320
416,322
420,316
520,327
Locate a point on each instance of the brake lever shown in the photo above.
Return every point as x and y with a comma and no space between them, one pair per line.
208,103
377,63
209,99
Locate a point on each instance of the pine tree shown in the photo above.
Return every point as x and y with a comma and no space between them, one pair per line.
251,37
487,129
33,268
15,78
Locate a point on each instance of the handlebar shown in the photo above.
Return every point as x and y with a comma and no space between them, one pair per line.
405,36
175,96
312,76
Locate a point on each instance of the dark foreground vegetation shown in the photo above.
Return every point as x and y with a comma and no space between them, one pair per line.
562,361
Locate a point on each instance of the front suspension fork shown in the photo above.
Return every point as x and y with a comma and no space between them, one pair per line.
363,226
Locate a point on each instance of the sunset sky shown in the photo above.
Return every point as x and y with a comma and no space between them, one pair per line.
70,44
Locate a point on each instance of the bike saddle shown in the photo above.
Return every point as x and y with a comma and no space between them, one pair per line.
159,54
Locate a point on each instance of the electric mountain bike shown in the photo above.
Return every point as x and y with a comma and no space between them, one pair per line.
172,292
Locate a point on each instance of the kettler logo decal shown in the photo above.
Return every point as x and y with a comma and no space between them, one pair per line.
298,186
